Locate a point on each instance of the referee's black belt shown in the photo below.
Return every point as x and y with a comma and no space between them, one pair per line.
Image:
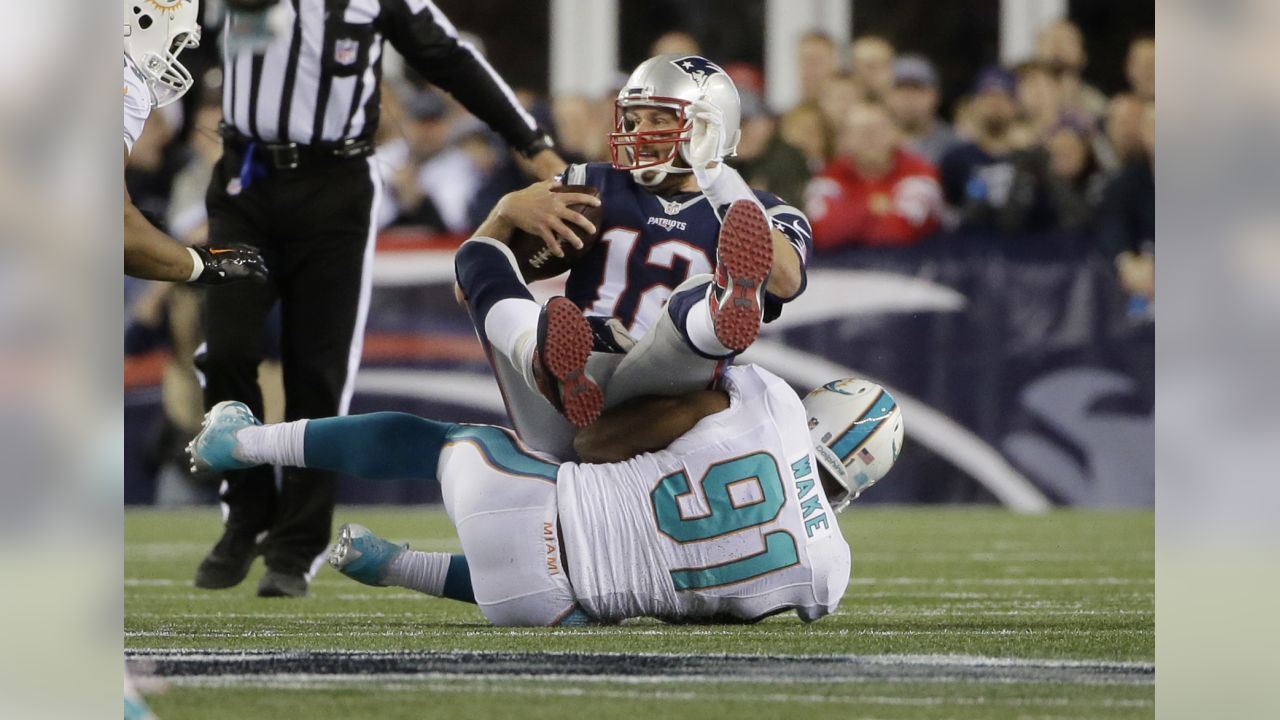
291,155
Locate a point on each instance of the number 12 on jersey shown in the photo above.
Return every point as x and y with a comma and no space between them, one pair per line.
728,515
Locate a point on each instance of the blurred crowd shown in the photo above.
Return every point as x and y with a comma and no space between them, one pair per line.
869,152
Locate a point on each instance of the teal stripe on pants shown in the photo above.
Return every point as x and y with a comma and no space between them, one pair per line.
500,449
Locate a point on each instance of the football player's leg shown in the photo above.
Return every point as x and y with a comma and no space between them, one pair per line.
366,558
501,307
376,446
744,258
386,446
679,354
502,500
538,354
500,495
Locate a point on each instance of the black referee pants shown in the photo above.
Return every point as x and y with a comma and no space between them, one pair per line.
315,228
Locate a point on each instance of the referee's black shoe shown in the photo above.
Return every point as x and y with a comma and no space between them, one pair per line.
282,584
229,561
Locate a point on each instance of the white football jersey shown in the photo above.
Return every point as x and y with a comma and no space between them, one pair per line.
729,522
137,103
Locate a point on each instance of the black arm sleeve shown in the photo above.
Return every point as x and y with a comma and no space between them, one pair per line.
430,45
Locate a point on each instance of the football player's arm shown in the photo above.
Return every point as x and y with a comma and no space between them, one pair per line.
792,243
787,276
645,424
430,44
150,254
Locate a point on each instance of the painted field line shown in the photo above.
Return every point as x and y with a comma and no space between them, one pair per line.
503,685
1029,581
616,632
1131,557
671,666
885,612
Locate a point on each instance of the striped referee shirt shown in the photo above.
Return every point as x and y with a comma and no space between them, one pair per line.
319,82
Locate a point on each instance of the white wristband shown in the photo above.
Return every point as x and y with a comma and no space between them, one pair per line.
727,187
197,265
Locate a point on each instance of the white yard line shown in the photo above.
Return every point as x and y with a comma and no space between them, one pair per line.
1027,581
502,684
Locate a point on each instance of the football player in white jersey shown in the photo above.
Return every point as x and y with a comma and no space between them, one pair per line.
718,506
155,32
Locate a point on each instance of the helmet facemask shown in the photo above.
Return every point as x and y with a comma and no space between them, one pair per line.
830,467
155,33
168,78
626,144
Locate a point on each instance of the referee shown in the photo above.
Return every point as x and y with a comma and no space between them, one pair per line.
297,181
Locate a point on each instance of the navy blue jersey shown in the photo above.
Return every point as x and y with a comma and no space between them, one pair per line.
650,244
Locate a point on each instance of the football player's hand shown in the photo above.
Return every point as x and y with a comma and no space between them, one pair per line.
705,139
538,211
230,263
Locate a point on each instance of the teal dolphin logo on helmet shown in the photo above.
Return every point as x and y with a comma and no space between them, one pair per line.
856,429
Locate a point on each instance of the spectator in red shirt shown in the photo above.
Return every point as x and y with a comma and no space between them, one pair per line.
873,192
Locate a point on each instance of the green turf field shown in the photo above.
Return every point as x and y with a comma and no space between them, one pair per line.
951,613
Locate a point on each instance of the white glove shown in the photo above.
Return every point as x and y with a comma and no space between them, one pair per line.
706,137
720,183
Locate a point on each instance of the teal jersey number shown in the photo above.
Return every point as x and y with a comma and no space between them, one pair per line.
725,518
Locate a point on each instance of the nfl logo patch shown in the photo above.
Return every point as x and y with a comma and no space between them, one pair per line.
865,456
345,51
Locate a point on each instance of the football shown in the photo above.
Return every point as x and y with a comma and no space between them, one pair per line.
535,259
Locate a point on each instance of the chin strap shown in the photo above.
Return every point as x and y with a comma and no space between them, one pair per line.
659,174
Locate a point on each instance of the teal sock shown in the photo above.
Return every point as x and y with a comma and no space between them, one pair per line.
457,582
376,446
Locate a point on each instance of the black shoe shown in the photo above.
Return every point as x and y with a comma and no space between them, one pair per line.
229,561
279,584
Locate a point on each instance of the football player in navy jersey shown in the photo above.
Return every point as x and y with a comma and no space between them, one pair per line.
689,262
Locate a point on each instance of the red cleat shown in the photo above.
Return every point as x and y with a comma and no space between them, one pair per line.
560,362
744,257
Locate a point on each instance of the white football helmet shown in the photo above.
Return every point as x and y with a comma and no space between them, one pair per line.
672,82
155,32
857,434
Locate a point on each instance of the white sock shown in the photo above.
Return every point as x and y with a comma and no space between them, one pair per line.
418,570
701,330
277,444
512,328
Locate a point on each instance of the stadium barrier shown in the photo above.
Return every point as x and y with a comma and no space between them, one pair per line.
1026,376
